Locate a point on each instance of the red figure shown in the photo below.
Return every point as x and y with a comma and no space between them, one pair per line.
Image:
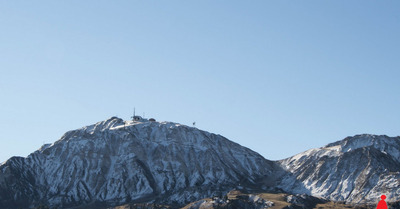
382,204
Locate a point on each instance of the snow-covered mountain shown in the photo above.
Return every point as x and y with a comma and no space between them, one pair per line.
115,162
356,170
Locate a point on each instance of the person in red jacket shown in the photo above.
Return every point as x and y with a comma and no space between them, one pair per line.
382,204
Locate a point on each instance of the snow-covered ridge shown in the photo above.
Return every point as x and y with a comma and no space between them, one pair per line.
385,144
356,169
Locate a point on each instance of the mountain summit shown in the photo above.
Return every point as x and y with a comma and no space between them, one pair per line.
115,162
356,169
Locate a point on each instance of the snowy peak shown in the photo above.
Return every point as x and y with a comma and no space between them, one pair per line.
356,169
385,144
115,161
115,123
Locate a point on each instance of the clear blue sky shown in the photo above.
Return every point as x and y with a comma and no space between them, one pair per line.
279,77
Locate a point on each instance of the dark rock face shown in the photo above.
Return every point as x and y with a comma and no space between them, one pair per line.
234,199
356,170
302,201
115,162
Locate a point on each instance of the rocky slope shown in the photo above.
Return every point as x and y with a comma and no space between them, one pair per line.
115,162
236,199
355,170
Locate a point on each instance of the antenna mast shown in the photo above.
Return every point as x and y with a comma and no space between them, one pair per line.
133,117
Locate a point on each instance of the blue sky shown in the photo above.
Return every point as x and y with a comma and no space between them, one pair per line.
279,77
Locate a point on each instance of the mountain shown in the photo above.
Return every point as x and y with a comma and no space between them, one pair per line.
355,170
114,162
165,164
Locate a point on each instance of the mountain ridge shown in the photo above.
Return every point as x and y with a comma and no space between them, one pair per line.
354,170
115,161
